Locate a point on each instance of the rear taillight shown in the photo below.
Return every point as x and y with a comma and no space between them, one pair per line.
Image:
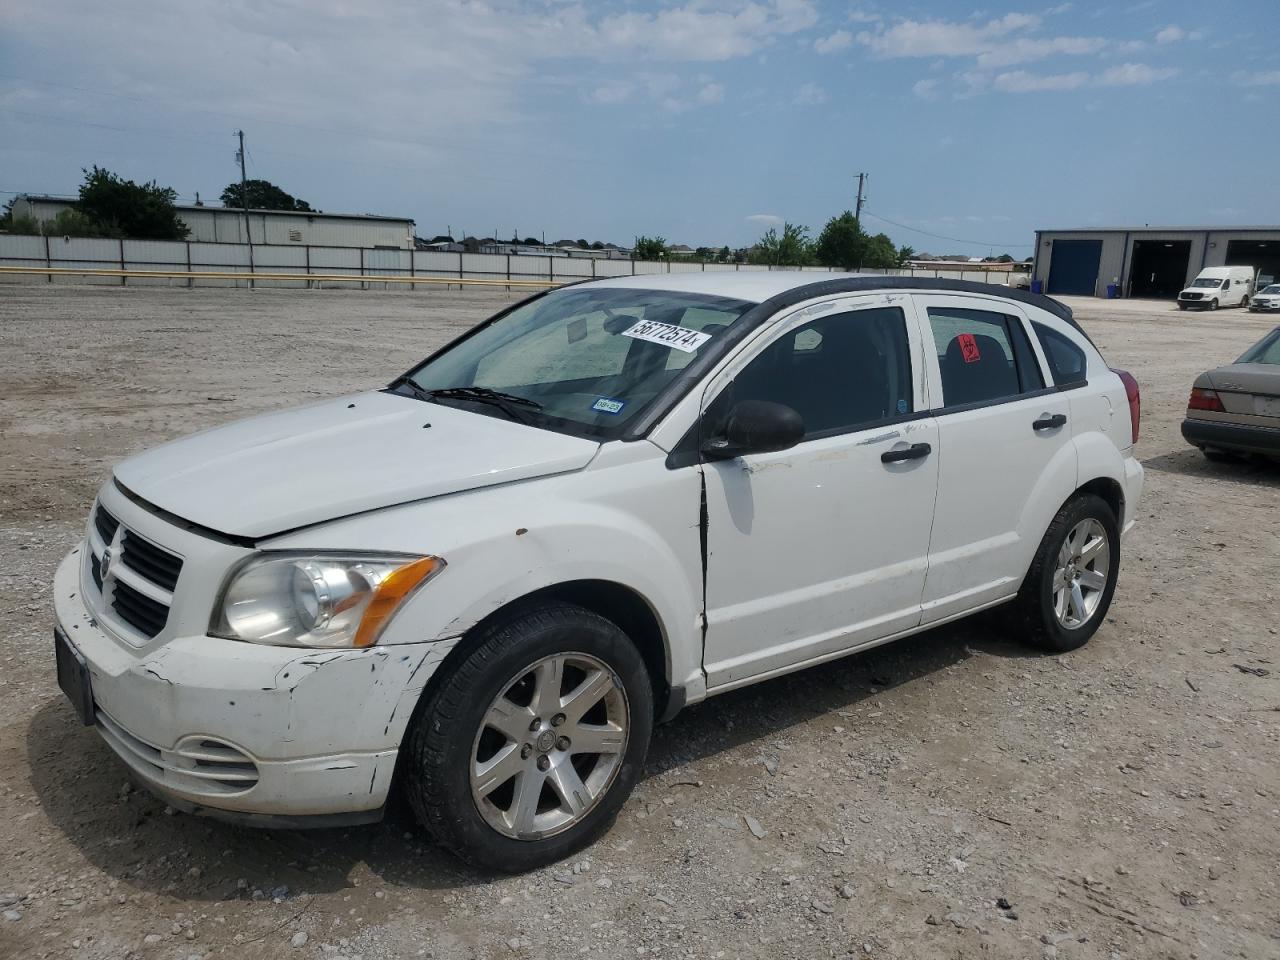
1205,400
1134,396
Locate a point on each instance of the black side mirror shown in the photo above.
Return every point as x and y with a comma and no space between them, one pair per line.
756,426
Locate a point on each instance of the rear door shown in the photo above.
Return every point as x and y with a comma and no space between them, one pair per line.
1004,450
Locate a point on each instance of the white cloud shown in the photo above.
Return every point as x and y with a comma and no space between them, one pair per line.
925,89
711,93
765,219
1059,9
1020,81
1002,42
1173,33
839,40
611,93
810,94
1028,49
696,31
1134,74
1261,78
942,38
1023,81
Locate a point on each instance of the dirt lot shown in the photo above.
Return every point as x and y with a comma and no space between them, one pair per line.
1124,800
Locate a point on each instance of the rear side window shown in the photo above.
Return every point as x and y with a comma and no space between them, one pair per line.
984,356
1067,362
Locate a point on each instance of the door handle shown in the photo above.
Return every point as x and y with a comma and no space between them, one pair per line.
1050,423
913,452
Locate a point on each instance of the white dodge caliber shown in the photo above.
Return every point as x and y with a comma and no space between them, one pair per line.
484,584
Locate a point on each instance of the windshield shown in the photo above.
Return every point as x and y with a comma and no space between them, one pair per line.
1211,282
588,358
1266,350
1274,288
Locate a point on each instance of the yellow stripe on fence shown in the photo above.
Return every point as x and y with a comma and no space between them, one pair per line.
325,277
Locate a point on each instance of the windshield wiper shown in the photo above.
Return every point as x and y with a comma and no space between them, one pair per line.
506,402
414,387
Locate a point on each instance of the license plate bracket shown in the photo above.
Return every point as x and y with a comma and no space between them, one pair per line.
73,676
1267,406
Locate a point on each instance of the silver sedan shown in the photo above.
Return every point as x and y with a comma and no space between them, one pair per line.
1236,408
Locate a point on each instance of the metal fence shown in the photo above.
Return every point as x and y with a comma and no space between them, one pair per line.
319,267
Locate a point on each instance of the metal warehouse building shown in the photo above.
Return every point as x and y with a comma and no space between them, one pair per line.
1148,261
284,227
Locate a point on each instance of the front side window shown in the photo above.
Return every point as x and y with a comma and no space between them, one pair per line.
581,361
984,356
840,372
1067,361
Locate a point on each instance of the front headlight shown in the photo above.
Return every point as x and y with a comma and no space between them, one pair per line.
317,600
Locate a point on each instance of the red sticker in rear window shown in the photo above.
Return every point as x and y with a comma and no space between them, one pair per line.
969,348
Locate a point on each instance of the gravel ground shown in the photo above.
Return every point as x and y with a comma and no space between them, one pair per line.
949,795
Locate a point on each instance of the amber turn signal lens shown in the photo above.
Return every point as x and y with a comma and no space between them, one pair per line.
391,592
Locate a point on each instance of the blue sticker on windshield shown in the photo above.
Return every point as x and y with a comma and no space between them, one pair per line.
605,405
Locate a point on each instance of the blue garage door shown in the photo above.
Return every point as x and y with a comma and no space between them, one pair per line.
1073,267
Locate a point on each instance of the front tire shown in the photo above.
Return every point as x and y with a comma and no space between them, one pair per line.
527,749
1069,587
1213,304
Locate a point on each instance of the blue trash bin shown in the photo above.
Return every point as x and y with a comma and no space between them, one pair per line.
1113,291
1037,286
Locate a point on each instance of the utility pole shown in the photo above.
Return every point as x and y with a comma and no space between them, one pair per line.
244,201
857,210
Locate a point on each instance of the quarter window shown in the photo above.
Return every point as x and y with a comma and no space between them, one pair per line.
984,356
839,372
1067,362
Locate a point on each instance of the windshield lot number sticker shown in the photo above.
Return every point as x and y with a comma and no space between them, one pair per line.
669,335
605,405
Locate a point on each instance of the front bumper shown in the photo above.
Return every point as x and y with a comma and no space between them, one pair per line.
274,734
1273,307
1220,435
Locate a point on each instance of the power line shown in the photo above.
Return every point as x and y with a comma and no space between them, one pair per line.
939,236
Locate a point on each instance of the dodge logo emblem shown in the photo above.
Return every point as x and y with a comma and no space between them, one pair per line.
105,564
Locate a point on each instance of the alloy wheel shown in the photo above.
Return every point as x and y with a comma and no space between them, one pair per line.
1080,578
550,746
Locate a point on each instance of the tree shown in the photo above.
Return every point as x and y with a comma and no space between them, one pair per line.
1004,258
905,254
582,244
72,223
725,254
792,248
842,243
532,242
650,248
263,195
120,207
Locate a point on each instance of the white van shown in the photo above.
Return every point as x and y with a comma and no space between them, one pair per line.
1218,287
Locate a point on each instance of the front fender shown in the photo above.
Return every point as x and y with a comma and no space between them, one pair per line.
625,519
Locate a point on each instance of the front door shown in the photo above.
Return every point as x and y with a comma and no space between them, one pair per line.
1006,451
820,548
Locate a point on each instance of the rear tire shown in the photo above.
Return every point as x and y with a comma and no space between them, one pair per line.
495,766
1068,589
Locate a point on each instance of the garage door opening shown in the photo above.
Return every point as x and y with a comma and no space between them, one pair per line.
1159,268
1262,255
1073,267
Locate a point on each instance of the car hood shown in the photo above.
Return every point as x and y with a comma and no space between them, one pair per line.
1243,378
284,470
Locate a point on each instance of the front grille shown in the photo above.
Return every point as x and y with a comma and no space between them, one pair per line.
145,615
1192,296
106,524
95,567
147,560
197,765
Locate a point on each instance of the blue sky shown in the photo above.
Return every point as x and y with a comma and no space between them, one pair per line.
704,121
